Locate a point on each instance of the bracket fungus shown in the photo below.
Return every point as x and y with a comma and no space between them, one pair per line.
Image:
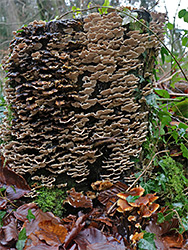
76,89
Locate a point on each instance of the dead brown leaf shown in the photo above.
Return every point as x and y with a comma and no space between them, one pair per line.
76,199
79,224
15,184
59,230
93,239
22,212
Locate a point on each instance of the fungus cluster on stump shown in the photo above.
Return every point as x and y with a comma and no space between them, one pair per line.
76,89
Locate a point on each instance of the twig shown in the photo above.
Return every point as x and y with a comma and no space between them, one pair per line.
168,78
179,94
183,56
169,100
146,168
180,221
72,11
137,20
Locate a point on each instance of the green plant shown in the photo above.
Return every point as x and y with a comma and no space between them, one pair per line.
161,126
51,200
147,242
22,237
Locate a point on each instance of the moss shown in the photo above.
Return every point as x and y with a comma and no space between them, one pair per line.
51,200
176,180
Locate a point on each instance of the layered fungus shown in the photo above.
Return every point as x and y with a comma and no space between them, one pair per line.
76,93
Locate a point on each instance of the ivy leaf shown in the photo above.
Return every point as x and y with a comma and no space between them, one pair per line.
185,41
147,242
165,118
184,150
170,26
22,237
131,198
162,93
182,13
30,215
160,218
185,18
183,125
151,100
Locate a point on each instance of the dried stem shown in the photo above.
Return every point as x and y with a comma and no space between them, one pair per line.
146,168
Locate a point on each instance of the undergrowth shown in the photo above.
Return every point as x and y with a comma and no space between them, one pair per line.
51,200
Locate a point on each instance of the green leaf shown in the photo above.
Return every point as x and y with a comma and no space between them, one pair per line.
185,223
74,8
22,237
2,214
164,52
184,150
170,26
182,13
183,125
185,18
104,10
2,189
185,41
151,100
177,204
13,189
18,31
181,108
165,118
175,135
89,5
106,3
160,218
131,198
163,93
30,216
162,179
147,243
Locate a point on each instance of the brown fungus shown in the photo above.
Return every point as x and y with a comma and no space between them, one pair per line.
72,88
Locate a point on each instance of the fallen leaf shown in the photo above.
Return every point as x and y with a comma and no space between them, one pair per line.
9,230
15,184
79,224
56,229
93,239
3,203
111,194
107,221
101,185
22,212
76,199
173,240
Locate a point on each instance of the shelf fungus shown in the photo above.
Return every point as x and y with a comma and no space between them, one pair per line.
76,94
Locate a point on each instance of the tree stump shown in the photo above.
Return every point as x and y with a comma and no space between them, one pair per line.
76,93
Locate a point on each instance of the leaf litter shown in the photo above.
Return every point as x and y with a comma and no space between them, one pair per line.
101,222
